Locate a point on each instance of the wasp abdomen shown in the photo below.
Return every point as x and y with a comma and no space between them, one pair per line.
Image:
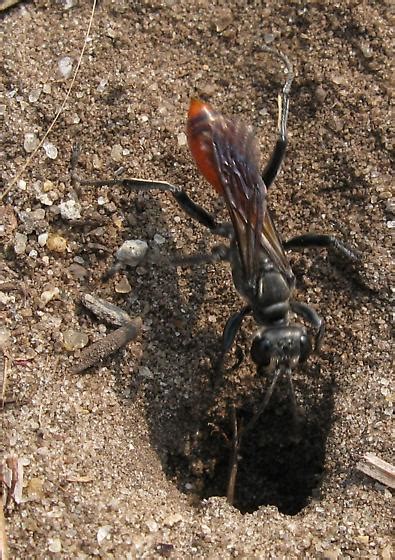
202,120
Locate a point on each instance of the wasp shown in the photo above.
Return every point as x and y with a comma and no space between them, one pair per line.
226,153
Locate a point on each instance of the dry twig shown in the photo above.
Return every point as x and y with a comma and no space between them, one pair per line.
378,469
107,345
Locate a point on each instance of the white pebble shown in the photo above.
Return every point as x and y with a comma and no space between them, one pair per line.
182,139
103,533
159,239
132,252
34,95
31,142
116,153
20,243
70,210
33,254
42,239
54,545
51,150
65,66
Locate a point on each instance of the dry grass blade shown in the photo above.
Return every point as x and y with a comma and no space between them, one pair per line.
3,377
378,469
33,155
107,345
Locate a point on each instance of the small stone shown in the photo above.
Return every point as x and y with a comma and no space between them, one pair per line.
74,340
335,123
5,337
65,66
222,19
182,139
54,544
145,372
101,200
172,520
70,210
96,162
50,150
268,38
116,153
33,254
34,95
78,271
47,88
56,243
20,243
132,252
102,85
159,239
103,533
152,525
35,489
42,239
320,94
123,286
48,295
31,142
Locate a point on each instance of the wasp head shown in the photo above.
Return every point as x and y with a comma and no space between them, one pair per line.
281,347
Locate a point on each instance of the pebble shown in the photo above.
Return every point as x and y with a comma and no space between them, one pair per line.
123,286
74,340
54,544
34,95
70,210
103,533
20,243
42,239
5,337
35,489
56,243
132,252
31,142
320,94
48,295
116,153
65,66
78,271
51,150
182,139
159,239
105,310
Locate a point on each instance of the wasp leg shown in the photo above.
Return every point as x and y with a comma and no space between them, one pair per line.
190,207
319,240
218,253
231,329
311,317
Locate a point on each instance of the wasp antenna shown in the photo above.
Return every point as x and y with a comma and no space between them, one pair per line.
283,98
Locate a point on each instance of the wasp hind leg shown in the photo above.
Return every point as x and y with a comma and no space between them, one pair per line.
329,242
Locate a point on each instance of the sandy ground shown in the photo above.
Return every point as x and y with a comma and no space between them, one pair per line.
130,460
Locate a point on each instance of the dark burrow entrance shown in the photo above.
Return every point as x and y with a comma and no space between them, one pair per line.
281,462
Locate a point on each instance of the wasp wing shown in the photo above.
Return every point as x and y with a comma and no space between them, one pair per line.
226,152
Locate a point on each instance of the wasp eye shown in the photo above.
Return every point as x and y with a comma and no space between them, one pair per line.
261,351
305,347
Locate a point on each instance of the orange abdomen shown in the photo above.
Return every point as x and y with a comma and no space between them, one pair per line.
201,122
